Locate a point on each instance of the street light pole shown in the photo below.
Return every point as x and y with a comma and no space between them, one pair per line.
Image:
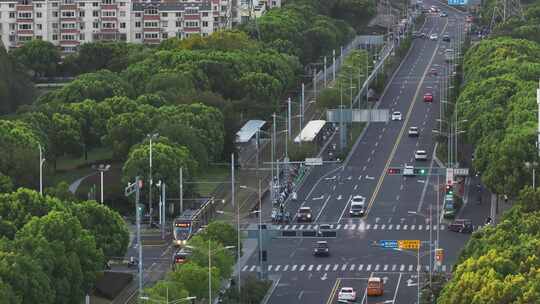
334,65
260,232
209,275
41,162
151,136
102,168
324,71
237,222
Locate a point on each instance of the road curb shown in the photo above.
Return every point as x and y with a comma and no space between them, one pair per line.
271,290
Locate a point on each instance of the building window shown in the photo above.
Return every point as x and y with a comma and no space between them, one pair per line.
164,24
39,26
95,13
150,36
38,5
108,14
81,14
109,25
68,26
192,11
39,37
164,35
12,15
204,34
25,38
164,14
95,25
55,37
25,15
12,26
178,15
55,25
205,14
95,4
138,24
178,23
68,37
81,4
151,11
205,23
137,35
11,5
39,15
54,4
150,24
122,25
55,14
81,37
82,25
192,24
122,13
25,26
137,14
68,14
122,4
108,1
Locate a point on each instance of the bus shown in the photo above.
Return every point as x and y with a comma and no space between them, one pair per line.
185,226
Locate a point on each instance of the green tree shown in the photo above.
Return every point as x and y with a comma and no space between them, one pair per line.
61,192
67,253
6,185
40,56
221,258
166,291
194,279
16,88
106,225
64,137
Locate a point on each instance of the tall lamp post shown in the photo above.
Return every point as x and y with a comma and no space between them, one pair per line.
41,162
259,212
532,165
151,137
102,168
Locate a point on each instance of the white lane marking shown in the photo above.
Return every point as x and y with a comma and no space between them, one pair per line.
277,267
252,268
420,227
355,187
245,267
369,159
311,267
286,267
397,197
375,227
390,227
385,268
368,268
401,187
397,287
294,227
324,205
344,267
413,226
383,226
303,266
377,267
270,267
394,267
404,227
360,267
352,267
402,268
410,267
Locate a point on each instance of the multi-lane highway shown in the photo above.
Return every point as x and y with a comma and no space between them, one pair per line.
398,207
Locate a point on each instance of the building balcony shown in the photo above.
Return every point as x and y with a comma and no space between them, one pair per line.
151,40
113,19
25,32
109,6
109,30
152,29
109,36
25,20
151,17
23,7
68,7
192,17
70,31
69,19
69,42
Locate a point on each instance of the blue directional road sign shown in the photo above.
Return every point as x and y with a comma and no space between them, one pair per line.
457,2
388,243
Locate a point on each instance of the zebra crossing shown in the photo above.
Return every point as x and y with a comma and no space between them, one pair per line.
344,268
364,227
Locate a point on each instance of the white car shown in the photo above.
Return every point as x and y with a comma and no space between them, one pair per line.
433,37
413,131
420,155
347,294
408,170
358,206
396,115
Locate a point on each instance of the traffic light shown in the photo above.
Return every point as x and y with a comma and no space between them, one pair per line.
449,189
439,254
420,171
394,171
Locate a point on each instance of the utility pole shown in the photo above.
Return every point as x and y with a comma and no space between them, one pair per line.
315,84
163,210
324,72
181,191
302,105
288,119
272,156
538,103
135,187
237,223
334,65
41,162
151,136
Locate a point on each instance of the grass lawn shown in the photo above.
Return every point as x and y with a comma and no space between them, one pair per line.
216,173
95,155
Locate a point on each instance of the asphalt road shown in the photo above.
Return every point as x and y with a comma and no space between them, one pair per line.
398,206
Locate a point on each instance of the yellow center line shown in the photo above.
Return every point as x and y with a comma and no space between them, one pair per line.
398,140
333,292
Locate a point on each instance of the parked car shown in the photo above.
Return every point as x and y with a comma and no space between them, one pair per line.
304,214
413,131
321,249
461,225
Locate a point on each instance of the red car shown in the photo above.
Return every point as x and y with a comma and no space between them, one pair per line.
428,97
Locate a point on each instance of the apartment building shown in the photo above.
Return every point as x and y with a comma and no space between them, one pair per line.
69,23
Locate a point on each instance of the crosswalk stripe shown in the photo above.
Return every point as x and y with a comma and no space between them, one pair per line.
367,226
352,267
442,227
404,227
434,227
394,267
345,226
286,267
397,227
353,226
385,268
375,227
377,267
304,266
402,267
286,227
419,227
410,267
368,268
413,226
318,267
383,226
443,268
418,267
390,227
327,267
427,267
277,267
301,227
343,267
360,267
245,267
252,268
315,226
294,227
279,227
335,267
338,226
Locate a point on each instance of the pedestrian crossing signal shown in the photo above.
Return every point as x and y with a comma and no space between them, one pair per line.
392,171
449,189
